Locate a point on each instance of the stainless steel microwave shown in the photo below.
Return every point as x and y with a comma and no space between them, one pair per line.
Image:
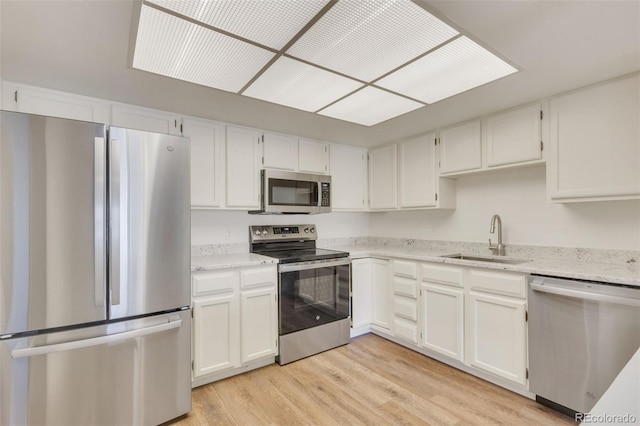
285,192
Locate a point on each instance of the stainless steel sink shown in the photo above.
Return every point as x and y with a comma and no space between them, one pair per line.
485,259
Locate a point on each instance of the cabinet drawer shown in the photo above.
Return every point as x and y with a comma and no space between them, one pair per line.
406,308
405,287
406,330
506,283
259,277
214,282
405,269
449,275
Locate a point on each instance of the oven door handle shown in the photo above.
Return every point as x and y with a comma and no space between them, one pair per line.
303,266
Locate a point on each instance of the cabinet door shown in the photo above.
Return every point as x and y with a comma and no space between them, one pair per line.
259,323
34,100
362,293
383,178
348,166
151,120
216,334
382,295
594,148
242,168
443,320
514,136
313,156
280,151
417,172
460,148
497,340
207,162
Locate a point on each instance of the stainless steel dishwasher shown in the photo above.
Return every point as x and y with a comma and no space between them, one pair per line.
581,335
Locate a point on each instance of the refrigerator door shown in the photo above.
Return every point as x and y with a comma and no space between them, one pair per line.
149,222
52,222
134,372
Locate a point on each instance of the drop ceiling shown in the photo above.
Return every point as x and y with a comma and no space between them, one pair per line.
85,47
362,61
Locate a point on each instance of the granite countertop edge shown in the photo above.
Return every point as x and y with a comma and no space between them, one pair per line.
571,269
625,274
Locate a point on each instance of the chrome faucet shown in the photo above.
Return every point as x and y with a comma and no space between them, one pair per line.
497,248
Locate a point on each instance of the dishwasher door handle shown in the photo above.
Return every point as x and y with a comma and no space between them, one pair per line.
585,295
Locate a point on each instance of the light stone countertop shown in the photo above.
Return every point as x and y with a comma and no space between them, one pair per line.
628,273
233,260
612,266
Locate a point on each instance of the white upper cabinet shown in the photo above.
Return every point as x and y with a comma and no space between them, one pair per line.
460,148
514,136
594,151
417,174
151,120
34,100
243,168
383,172
348,169
280,151
207,162
313,156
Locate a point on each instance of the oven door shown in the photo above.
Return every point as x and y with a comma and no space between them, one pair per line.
313,293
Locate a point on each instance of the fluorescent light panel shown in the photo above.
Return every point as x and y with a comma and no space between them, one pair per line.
366,39
176,48
359,40
298,85
370,106
454,68
272,23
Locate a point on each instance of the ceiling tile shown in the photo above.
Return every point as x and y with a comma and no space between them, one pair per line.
298,85
454,68
262,21
370,106
176,48
366,39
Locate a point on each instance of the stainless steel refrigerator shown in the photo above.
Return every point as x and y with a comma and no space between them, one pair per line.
94,274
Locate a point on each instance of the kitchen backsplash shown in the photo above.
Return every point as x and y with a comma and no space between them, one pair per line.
520,251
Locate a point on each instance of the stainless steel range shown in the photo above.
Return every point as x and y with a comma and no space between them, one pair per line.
313,287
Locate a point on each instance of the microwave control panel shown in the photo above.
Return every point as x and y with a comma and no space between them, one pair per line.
325,195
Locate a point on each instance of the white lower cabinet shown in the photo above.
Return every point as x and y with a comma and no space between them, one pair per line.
215,349
381,294
259,319
361,295
405,300
497,336
234,321
443,320
496,323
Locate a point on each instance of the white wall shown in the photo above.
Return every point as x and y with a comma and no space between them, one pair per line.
519,197
230,227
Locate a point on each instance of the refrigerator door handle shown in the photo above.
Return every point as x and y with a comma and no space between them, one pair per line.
99,222
95,341
114,219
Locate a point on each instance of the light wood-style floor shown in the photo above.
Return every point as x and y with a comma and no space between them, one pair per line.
370,381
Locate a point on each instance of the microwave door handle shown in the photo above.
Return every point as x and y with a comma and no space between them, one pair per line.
316,188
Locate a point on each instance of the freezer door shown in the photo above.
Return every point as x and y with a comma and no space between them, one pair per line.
52,227
149,256
127,373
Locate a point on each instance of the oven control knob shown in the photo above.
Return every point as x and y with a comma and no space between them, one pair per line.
312,230
264,232
257,232
306,230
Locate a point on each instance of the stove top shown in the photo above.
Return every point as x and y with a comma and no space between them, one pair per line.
304,255
290,243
